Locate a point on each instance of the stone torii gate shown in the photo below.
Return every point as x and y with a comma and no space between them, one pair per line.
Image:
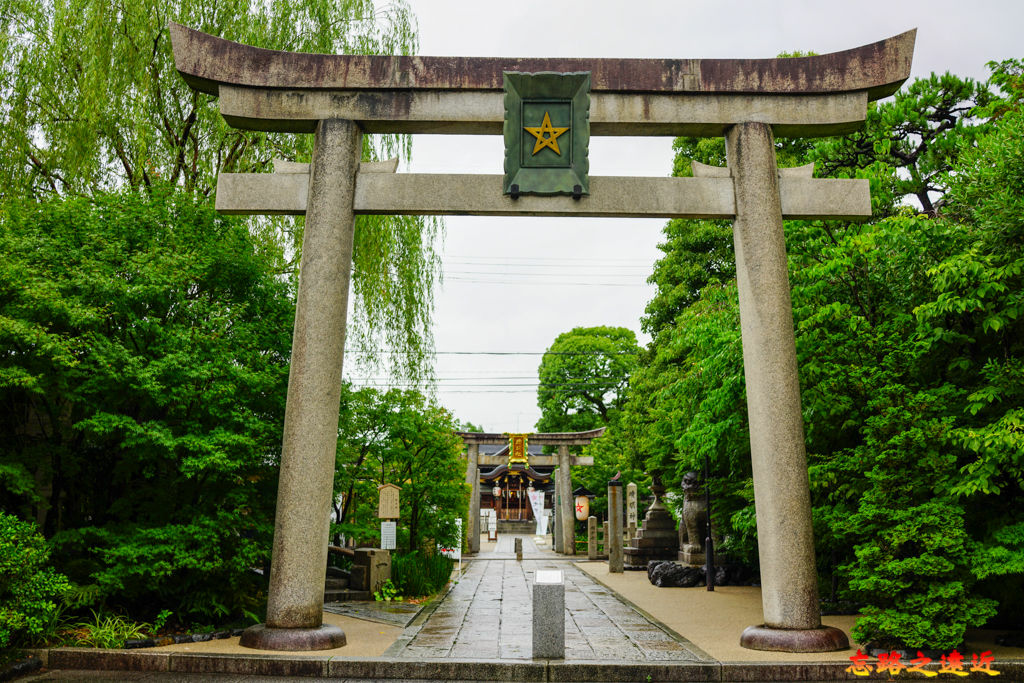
563,460
748,101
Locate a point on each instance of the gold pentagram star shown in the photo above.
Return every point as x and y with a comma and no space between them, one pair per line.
547,135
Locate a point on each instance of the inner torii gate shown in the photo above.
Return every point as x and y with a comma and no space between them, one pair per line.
748,101
563,460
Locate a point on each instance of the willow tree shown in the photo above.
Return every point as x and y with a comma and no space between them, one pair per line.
90,100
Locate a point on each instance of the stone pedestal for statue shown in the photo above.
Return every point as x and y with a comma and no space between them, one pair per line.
693,528
657,537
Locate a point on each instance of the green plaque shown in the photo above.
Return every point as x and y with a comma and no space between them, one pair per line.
547,133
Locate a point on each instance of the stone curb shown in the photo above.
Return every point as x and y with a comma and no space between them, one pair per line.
472,669
20,667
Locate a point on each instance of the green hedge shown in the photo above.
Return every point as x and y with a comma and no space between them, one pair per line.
28,587
417,573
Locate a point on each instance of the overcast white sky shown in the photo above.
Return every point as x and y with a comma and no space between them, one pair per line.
514,284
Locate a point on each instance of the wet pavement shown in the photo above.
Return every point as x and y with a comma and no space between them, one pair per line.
488,615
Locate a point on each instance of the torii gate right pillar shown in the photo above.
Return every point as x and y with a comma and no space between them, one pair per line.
789,589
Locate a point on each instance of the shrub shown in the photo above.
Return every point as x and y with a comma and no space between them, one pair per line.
418,573
28,587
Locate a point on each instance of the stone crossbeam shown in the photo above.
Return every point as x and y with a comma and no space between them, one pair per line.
542,439
481,195
483,113
543,460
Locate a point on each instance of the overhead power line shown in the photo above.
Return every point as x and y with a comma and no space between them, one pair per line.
507,353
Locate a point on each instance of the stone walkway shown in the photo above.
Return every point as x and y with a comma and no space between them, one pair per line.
488,614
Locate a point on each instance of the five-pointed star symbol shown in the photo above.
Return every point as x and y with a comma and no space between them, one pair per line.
546,134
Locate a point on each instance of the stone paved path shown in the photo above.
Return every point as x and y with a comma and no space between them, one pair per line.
488,614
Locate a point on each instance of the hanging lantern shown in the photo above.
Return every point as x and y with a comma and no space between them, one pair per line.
582,508
496,491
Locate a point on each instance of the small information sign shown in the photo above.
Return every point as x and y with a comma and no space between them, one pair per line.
387,506
388,535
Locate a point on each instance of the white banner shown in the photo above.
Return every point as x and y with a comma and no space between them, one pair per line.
537,503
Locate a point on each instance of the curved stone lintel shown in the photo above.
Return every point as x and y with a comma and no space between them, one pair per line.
262,637
824,639
206,62
543,439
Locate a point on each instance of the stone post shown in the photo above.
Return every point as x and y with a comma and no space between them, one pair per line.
306,481
592,537
614,539
604,536
792,617
473,479
518,544
556,514
548,614
568,508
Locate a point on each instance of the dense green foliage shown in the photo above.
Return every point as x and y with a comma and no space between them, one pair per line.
30,590
399,437
583,377
142,382
908,338
420,573
75,121
583,380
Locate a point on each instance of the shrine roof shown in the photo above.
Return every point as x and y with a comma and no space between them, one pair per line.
206,62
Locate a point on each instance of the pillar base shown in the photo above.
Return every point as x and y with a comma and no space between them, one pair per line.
263,637
823,639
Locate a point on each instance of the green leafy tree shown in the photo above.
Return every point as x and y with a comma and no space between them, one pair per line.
90,100
29,588
906,337
583,378
400,437
142,383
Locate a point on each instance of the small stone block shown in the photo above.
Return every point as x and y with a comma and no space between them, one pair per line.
519,549
549,615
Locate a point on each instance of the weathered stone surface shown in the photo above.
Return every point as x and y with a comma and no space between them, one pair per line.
672,575
371,569
592,538
614,538
549,615
781,488
821,639
468,113
566,507
666,574
473,479
323,637
440,194
107,660
693,527
657,538
206,62
249,665
299,560
542,439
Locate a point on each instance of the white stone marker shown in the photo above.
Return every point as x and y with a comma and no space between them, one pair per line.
549,615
